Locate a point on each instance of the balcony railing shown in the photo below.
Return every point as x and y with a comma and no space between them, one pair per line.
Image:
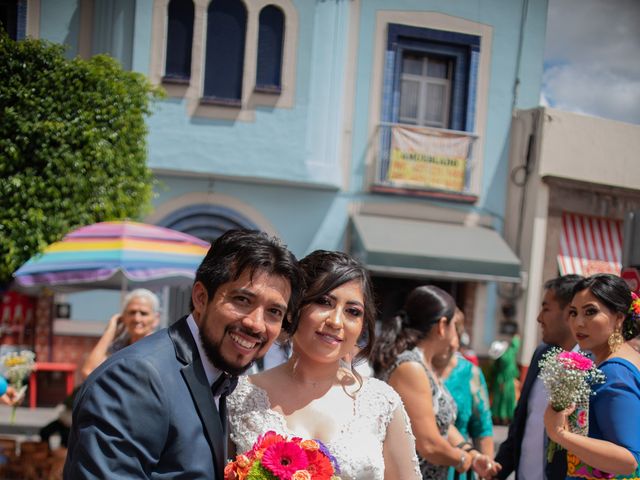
424,161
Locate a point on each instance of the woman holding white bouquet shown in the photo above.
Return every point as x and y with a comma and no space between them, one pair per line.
603,314
315,395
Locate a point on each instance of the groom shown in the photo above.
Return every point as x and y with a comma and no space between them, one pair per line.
150,411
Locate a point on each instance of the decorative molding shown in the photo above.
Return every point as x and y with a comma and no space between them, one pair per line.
199,198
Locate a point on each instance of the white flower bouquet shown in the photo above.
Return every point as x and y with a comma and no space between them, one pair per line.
17,366
568,378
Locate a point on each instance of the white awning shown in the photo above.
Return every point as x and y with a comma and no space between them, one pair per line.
590,245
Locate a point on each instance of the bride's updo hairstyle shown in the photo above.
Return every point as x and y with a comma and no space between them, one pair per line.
614,293
324,271
423,309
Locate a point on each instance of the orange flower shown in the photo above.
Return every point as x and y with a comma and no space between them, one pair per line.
230,472
243,461
309,445
301,475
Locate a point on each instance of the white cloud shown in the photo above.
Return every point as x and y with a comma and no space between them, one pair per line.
592,56
591,90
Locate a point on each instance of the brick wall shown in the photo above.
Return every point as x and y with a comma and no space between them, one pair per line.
73,349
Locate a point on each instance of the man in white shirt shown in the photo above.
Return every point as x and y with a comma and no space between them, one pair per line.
524,450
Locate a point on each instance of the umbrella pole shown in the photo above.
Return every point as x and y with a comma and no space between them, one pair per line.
123,290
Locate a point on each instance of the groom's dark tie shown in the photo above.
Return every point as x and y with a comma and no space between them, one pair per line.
223,386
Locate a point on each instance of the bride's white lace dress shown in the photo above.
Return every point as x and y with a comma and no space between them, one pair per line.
358,446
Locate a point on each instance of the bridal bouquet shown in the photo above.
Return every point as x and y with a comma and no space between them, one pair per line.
568,377
274,457
17,367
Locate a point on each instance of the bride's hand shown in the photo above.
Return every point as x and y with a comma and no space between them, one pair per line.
484,466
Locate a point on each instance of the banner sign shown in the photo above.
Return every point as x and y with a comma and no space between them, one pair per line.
424,157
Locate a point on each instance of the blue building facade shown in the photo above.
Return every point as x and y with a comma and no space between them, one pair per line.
334,124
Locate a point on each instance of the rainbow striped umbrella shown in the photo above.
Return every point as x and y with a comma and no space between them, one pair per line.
113,254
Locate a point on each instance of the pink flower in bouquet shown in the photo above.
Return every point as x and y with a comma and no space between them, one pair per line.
283,459
575,361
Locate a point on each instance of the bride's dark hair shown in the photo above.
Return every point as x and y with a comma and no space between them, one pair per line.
324,271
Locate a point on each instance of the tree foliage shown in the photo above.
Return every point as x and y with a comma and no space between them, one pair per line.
72,146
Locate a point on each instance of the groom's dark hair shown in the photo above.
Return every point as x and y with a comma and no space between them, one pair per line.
237,251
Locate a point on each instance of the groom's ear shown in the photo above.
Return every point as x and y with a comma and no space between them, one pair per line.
200,299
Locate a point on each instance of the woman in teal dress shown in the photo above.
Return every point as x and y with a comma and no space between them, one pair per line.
602,315
467,386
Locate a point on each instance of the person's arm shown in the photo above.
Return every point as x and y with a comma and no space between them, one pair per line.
399,449
120,423
99,352
482,464
411,382
601,454
480,422
484,445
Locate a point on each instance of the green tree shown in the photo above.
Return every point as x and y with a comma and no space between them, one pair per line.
72,146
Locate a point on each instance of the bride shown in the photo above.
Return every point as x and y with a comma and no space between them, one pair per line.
314,396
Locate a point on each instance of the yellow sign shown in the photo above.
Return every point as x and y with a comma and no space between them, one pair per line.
428,158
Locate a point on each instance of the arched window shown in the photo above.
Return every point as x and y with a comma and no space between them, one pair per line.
179,40
270,44
224,64
205,221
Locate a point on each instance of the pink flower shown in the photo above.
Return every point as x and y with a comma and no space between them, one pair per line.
283,459
582,418
575,361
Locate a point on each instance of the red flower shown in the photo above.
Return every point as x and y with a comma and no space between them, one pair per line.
263,442
320,466
283,459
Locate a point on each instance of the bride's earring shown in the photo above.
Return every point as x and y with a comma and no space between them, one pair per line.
615,340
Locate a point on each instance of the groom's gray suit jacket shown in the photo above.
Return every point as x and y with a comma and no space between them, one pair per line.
148,412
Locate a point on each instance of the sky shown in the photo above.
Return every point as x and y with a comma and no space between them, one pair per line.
592,58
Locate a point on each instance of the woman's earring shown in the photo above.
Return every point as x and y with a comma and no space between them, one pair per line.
615,340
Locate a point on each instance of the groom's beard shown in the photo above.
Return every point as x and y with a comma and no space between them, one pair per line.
212,350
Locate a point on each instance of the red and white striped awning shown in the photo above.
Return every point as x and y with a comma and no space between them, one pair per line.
590,245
